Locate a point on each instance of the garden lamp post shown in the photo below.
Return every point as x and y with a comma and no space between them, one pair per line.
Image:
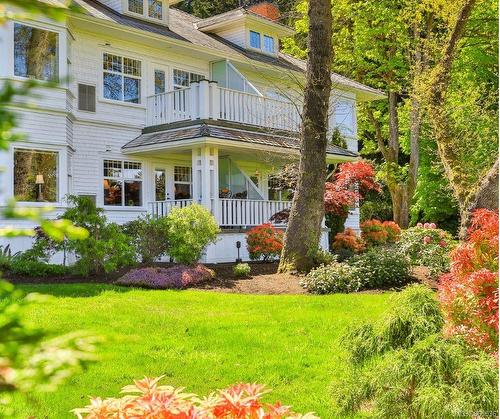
238,246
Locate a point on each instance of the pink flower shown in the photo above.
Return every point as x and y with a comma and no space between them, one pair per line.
442,243
426,225
427,239
420,225
433,225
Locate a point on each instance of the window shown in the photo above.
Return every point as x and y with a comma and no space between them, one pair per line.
182,182
185,78
35,175
276,192
35,53
344,117
136,6
155,9
122,78
160,82
255,39
268,44
160,185
122,183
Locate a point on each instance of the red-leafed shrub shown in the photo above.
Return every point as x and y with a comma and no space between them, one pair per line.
264,242
373,232
393,231
349,240
469,293
176,277
146,399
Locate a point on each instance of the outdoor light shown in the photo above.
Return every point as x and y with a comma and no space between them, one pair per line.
238,246
39,182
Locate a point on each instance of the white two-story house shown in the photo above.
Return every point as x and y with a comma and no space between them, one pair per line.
155,108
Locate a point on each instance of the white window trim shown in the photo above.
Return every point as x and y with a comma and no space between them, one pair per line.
142,180
144,69
62,178
190,183
145,15
187,70
261,49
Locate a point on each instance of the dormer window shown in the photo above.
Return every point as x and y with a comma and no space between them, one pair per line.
152,9
255,39
269,44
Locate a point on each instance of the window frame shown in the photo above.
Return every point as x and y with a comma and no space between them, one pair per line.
183,182
123,180
140,102
264,37
190,73
145,11
259,48
60,46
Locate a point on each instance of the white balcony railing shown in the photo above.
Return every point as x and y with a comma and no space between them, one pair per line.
206,100
231,212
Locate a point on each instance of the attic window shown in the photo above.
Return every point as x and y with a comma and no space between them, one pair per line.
255,39
136,6
147,8
155,9
269,44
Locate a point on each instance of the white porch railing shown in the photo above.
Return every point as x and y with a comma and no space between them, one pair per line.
206,100
248,212
162,208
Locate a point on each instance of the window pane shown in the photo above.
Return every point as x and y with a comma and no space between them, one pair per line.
132,170
193,77
182,174
255,39
181,78
136,6
35,176
182,190
132,67
112,192
133,193
132,89
112,86
112,63
155,9
268,43
160,82
112,168
160,179
35,53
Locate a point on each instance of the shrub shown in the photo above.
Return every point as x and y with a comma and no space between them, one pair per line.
145,398
373,232
402,366
393,231
190,230
382,268
176,277
242,270
348,240
320,256
6,256
106,249
25,267
149,237
469,293
336,277
264,241
428,246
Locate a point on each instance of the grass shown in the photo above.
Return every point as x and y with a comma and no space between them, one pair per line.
202,341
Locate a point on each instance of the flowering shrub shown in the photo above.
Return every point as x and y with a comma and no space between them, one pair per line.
146,399
176,277
373,232
349,240
469,293
336,277
382,268
393,231
427,245
264,241
242,270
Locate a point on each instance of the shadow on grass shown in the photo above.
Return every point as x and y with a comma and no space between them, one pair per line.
73,290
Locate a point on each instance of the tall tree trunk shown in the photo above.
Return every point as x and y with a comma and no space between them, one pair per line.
307,212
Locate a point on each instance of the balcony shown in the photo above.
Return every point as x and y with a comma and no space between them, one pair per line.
206,100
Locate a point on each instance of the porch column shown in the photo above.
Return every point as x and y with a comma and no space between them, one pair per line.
206,178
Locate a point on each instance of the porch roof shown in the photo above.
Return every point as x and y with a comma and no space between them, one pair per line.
181,132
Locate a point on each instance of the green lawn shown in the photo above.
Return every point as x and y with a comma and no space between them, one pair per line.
202,341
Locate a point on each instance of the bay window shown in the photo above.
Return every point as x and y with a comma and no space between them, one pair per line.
121,78
35,175
35,53
122,184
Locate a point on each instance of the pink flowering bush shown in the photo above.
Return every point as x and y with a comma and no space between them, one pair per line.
146,399
469,293
427,245
176,277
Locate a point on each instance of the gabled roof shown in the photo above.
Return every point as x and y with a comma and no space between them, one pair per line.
182,27
175,133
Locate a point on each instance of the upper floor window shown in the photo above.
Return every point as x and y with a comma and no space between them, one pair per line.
269,44
121,78
35,175
35,53
185,78
154,8
160,82
255,39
